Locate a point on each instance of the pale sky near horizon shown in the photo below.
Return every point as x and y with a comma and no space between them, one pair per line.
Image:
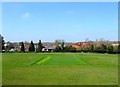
73,22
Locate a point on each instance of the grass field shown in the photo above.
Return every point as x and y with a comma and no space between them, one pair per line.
59,69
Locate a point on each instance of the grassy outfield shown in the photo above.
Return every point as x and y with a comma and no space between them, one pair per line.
59,69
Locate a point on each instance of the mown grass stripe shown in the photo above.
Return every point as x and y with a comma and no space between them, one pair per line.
44,60
38,60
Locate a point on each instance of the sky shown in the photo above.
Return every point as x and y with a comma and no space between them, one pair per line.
50,21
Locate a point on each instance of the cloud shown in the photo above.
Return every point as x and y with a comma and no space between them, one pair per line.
26,15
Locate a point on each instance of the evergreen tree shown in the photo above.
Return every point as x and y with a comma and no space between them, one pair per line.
39,46
2,42
22,47
62,46
31,47
92,48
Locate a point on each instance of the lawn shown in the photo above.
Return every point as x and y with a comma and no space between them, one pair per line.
59,69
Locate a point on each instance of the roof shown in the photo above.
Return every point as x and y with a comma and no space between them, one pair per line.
50,47
78,43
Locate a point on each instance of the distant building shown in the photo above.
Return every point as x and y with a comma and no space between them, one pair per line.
115,43
48,48
80,45
26,45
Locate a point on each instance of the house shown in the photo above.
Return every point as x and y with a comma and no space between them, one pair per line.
26,45
12,50
80,45
48,48
9,46
115,43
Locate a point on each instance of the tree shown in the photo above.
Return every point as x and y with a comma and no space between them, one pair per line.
72,49
103,48
57,49
58,42
115,49
66,48
39,46
118,48
22,47
59,45
62,46
9,46
92,48
69,48
31,47
110,49
2,42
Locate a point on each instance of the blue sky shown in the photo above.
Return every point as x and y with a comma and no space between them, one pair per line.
73,22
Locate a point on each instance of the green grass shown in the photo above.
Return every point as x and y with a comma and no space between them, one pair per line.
59,69
43,60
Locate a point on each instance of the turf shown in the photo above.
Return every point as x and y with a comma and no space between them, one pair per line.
43,60
59,69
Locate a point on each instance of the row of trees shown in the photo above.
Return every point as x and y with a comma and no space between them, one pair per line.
60,47
32,47
102,48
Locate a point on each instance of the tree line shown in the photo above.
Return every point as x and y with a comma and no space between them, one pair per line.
101,48
60,47
4,48
32,47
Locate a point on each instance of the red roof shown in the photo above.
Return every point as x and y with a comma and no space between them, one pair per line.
81,44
